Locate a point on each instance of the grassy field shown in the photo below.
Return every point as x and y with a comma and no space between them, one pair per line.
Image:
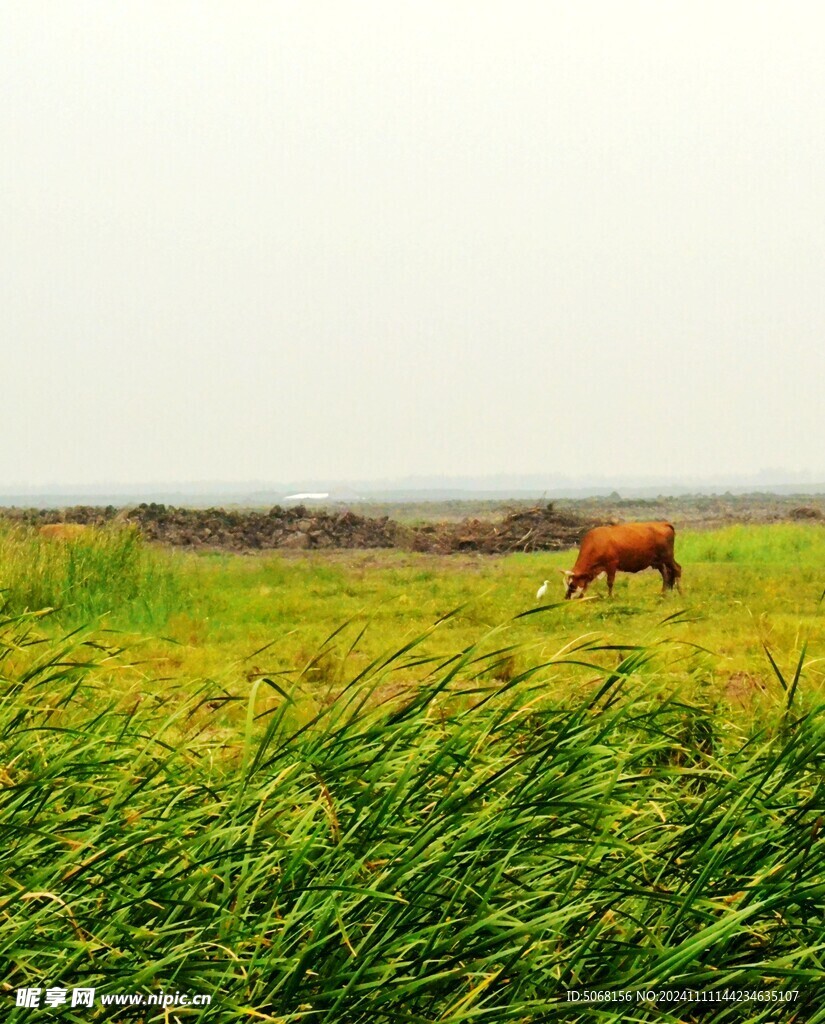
743,587
379,787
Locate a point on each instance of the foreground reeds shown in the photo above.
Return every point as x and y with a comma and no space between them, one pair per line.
464,851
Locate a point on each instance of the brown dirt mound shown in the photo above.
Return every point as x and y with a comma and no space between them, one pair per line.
533,529
803,512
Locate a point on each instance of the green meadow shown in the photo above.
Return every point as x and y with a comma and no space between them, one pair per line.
378,786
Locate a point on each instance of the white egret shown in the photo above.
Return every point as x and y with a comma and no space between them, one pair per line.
541,591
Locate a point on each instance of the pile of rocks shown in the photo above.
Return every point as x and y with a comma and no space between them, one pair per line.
535,529
295,528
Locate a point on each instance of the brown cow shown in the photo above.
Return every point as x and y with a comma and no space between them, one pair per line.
627,547
62,531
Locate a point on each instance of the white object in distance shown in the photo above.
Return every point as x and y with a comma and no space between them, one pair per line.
541,591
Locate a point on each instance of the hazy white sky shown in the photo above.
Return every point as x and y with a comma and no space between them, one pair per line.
282,240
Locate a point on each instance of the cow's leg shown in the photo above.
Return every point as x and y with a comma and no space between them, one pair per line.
611,575
667,579
675,575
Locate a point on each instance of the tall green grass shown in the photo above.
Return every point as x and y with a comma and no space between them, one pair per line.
790,544
105,571
461,851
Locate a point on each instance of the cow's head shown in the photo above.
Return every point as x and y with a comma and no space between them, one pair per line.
574,582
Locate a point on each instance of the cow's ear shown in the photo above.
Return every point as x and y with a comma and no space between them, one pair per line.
566,572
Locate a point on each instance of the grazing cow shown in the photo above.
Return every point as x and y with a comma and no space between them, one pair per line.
62,531
627,547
